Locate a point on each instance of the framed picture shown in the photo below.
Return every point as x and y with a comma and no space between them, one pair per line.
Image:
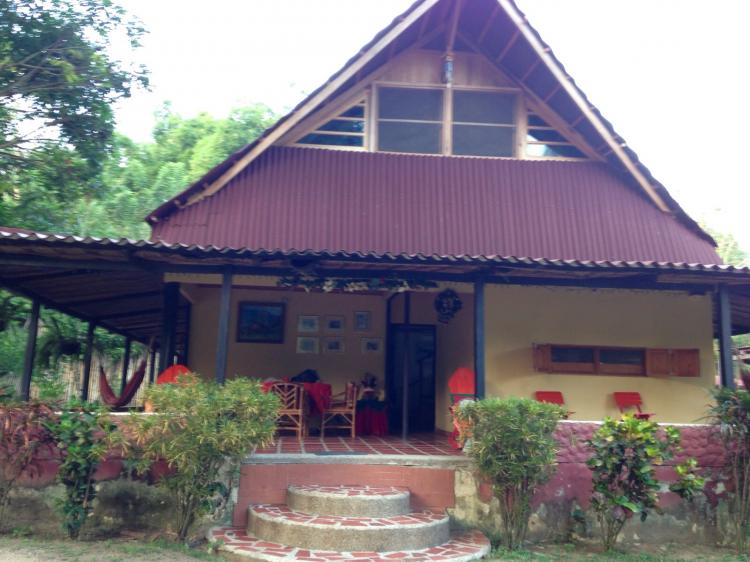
308,344
260,322
372,345
308,324
334,324
362,321
333,345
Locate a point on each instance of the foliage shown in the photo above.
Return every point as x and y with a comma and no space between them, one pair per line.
199,426
513,447
625,454
310,282
731,413
23,434
83,434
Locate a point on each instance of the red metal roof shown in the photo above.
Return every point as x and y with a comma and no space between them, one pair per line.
306,199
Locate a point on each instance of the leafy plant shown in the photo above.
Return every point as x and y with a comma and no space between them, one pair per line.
513,446
731,413
197,428
23,435
625,455
84,433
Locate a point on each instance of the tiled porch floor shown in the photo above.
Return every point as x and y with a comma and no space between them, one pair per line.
429,444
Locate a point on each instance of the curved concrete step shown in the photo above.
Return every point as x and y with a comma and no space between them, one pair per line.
461,547
352,501
280,524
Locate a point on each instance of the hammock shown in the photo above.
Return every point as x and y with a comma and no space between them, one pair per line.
110,398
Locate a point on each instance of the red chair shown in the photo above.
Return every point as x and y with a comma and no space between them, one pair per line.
461,386
626,400
550,397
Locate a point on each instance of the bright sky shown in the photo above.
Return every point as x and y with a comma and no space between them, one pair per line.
669,74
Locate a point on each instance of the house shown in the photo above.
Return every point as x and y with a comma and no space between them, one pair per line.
451,164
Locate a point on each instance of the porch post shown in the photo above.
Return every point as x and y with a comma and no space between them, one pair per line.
407,366
222,340
152,366
724,316
169,325
87,356
125,364
28,363
479,337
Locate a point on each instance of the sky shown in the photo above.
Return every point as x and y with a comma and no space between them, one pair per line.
670,75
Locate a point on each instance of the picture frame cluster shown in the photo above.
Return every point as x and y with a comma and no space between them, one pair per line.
316,334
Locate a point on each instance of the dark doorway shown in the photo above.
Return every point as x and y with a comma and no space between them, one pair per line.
411,349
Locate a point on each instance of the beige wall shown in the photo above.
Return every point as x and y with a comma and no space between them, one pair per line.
517,317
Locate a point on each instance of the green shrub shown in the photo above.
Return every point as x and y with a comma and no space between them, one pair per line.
513,447
84,433
625,455
731,413
198,427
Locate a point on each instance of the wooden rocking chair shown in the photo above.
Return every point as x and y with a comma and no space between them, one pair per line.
342,414
292,410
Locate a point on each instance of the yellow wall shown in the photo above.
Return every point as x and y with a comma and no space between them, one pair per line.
517,317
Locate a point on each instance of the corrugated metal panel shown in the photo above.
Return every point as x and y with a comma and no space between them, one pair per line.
337,201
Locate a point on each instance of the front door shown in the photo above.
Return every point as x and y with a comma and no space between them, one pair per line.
411,356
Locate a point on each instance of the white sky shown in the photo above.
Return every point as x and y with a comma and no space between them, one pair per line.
669,74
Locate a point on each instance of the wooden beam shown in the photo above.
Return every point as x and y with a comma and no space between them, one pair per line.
508,46
28,362
726,357
130,313
453,27
479,340
222,340
169,325
88,355
113,298
488,24
125,364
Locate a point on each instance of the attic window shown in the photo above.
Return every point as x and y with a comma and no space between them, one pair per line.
543,141
346,130
410,120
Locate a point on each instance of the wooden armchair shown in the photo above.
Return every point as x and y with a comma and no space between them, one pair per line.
342,412
292,410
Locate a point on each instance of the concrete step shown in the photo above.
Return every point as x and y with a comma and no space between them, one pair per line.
352,501
461,547
280,524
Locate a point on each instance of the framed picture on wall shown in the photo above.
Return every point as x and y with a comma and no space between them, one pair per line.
334,324
260,322
308,324
363,321
308,344
372,345
333,345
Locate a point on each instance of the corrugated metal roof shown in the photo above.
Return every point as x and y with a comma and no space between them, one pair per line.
295,199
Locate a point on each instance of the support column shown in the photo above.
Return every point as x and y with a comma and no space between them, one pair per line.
724,317
407,366
125,364
222,339
28,363
479,338
152,365
169,325
88,354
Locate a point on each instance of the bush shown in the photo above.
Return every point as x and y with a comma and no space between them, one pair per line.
513,446
23,435
83,433
625,454
199,426
731,414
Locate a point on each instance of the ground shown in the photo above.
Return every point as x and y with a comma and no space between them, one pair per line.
645,553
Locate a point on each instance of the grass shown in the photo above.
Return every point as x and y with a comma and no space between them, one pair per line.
575,552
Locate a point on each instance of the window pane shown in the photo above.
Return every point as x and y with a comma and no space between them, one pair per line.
622,356
535,120
552,150
478,140
410,103
356,111
345,126
483,107
332,140
409,137
572,354
546,135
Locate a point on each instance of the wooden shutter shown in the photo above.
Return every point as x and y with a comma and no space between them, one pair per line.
686,363
542,358
658,362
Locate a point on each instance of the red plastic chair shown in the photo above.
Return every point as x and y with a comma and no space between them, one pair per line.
461,386
550,397
627,400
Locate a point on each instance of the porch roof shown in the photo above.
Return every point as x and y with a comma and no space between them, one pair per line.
118,282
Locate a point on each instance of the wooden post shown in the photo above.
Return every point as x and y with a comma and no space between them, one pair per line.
407,367
724,316
28,363
88,354
169,325
152,366
186,343
222,340
479,338
125,364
